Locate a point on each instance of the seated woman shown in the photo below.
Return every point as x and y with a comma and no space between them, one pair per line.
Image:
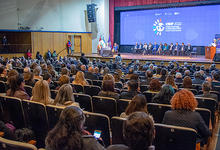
170,81
16,87
29,78
155,85
65,96
183,113
80,79
138,133
138,103
3,74
69,133
108,90
187,82
165,95
41,93
64,79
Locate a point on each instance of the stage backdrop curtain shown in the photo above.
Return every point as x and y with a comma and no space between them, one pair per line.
126,3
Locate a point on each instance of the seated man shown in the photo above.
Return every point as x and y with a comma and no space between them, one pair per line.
206,87
132,90
150,48
138,131
115,48
197,78
176,49
155,48
188,49
136,47
140,48
145,49
160,49
90,74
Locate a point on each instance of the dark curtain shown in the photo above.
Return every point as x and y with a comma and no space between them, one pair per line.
125,3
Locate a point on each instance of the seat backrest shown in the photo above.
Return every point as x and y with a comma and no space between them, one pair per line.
3,87
95,121
118,85
104,105
158,111
144,88
208,103
92,90
89,81
36,116
28,89
97,83
122,104
149,96
84,100
53,113
15,111
14,145
78,88
117,130
174,138
205,114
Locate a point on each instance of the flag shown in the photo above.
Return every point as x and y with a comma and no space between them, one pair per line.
103,39
100,38
109,41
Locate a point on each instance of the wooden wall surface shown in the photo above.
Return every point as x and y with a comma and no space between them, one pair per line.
42,41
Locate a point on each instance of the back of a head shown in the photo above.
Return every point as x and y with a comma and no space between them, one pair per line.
206,86
138,131
64,94
149,74
155,85
65,71
187,82
67,132
41,92
108,85
64,79
47,76
133,85
197,74
37,71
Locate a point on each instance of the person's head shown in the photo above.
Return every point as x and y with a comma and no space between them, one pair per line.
82,54
96,70
184,100
155,85
37,71
138,131
187,73
178,75
3,71
176,43
119,54
15,82
138,103
67,134
134,77
79,77
206,87
41,92
47,77
64,79
117,77
187,82
170,80
108,77
197,75
90,69
28,76
13,72
216,76
163,72
149,74
132,85
108,86
83,68
64,95
64,71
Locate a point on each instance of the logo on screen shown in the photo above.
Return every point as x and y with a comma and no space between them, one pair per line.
158,27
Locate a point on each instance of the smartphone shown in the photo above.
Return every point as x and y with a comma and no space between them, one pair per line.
97,134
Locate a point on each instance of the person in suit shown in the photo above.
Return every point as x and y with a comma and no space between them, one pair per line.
150,48
183,113
136,47
115,48
160,49
188,49
145,49
182,50
140,48
165,49
206,88
176,49
171,47
90,74
155,48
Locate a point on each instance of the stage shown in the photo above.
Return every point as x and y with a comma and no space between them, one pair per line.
130,56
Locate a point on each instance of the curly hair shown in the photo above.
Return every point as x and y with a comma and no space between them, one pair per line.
155,85
184,99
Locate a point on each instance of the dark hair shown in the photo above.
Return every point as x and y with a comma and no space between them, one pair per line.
138,103
47,76
155,85
149,74
216,76
187,82
2,69
67,134
206,86
163,72
165,95
14,83
134,77
138,131
64,71
133,85
108,86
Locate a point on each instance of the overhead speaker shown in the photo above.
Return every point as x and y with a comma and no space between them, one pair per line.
91,13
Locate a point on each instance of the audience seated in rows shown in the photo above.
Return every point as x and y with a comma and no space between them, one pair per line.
132,90
206,88
108,90
69,132
155,85
80,79
170,81
165,95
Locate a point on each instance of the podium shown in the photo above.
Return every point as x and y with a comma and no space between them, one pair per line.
106,52
210,52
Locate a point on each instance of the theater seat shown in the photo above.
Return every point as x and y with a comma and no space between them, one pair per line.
14,145
104,105
97,83
122,104
3,87
117,130
92,90
53,93
84,100
78,88
174,138
149,95
96,121
144,88
28,89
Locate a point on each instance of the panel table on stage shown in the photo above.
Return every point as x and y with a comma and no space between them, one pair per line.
210,52
106,52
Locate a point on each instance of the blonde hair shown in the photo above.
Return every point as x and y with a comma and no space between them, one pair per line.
80,79
65,94
41,92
